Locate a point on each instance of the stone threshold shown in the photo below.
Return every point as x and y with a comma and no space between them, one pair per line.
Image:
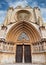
22,64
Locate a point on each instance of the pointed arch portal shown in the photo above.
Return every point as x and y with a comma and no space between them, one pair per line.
25,34
20,27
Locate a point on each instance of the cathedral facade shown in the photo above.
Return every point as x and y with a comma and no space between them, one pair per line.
23,36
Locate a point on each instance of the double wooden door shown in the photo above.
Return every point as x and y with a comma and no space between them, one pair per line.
23,53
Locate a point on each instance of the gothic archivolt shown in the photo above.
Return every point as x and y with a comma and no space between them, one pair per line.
20,27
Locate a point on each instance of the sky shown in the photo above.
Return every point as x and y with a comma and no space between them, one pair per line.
5,4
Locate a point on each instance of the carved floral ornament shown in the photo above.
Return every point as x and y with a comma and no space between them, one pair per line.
23,15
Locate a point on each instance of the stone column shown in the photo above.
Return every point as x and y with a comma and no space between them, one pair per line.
44,46
32,48
14,53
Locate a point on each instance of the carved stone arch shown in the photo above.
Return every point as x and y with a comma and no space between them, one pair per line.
23,27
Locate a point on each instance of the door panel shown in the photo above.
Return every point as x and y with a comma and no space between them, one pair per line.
27,53
19,53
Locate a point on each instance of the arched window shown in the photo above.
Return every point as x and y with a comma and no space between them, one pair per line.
23,36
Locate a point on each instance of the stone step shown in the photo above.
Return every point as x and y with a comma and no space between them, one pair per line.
23,64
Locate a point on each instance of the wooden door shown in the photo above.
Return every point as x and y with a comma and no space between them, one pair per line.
27,53
19,53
